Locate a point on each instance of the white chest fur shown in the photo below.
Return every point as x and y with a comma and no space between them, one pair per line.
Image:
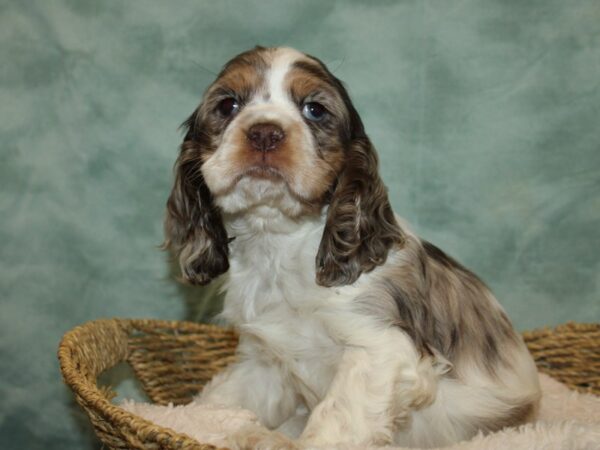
274,301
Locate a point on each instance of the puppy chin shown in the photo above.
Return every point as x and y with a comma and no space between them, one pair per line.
261,194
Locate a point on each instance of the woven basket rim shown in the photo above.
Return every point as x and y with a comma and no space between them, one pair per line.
87,391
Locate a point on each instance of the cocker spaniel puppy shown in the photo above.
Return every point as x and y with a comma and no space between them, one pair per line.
352,329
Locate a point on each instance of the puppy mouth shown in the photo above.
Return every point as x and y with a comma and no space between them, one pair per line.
263,171
268,172
258,171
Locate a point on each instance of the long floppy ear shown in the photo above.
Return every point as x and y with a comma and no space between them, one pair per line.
194,228
360,226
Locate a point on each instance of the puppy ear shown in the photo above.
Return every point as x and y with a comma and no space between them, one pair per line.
194,228
360,226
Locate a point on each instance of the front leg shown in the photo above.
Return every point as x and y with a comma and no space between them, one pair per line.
254,385
379,379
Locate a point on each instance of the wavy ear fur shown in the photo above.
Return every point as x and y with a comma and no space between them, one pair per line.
360,226
194,228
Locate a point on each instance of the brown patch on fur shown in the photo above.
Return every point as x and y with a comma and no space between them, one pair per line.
444,307
307,80
482,329
360,227
328,167
244,74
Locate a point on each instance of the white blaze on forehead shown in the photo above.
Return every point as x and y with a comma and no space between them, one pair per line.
282,61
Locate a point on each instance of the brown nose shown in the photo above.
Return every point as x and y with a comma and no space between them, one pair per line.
265,137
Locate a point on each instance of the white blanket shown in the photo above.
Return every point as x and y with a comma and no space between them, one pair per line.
567,420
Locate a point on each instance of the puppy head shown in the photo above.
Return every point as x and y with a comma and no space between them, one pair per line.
276,130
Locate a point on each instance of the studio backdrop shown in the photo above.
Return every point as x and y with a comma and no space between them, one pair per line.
485,115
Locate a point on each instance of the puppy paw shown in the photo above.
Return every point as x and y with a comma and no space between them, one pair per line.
260,438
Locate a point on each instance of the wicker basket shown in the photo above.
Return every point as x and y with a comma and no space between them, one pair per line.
174,359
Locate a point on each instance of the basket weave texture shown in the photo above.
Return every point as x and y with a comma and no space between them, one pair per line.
174,359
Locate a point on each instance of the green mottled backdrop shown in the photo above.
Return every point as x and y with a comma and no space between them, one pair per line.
486,115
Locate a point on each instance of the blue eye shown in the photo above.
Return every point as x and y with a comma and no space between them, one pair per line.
314,111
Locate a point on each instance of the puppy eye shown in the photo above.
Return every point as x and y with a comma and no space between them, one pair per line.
228,106
314,111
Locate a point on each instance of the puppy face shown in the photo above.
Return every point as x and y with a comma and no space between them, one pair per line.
277,125
277,129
